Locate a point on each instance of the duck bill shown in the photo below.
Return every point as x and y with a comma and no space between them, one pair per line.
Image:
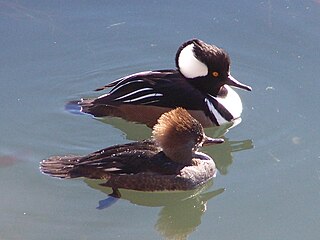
231,81
208,141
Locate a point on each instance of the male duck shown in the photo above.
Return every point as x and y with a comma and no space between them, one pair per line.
201,84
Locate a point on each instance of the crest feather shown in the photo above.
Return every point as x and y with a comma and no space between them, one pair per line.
175,129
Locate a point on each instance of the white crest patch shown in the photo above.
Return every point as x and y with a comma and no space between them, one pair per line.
189,65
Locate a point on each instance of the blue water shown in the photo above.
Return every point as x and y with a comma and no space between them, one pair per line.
268,185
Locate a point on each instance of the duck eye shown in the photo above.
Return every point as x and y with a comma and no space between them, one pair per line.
215,74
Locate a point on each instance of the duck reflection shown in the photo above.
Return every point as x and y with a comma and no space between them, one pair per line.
223,153
181,211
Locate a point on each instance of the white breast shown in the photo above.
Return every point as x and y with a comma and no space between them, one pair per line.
231,102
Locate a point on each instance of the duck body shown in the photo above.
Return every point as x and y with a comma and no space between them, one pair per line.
144,96
200,84
138,166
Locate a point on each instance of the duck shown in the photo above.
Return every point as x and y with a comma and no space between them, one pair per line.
201,84
168,161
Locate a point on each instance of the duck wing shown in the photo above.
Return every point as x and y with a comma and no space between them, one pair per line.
131,158
162,88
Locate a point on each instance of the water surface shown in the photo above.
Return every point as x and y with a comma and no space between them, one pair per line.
269,168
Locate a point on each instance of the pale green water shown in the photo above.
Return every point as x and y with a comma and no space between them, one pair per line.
268,186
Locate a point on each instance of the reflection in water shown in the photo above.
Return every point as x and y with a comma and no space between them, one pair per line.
222,153
7,160
133,131
10,159
179,220
181,210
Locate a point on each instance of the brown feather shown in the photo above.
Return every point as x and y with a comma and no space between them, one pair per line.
177,132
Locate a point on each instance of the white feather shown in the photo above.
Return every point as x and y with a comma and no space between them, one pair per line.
189,65
216,114
116,88
144,96
134,92
231,102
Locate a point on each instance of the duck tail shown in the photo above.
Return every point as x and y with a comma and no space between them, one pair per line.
60,166
79,106
93,107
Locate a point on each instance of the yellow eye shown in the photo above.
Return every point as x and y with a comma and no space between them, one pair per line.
215,74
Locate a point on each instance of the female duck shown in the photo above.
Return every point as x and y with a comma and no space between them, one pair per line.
168,161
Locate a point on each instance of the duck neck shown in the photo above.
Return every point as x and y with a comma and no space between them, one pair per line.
180,155
205,86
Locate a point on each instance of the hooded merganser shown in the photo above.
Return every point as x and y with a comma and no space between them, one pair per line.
168,161
200,84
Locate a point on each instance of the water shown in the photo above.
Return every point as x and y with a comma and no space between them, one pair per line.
269,169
